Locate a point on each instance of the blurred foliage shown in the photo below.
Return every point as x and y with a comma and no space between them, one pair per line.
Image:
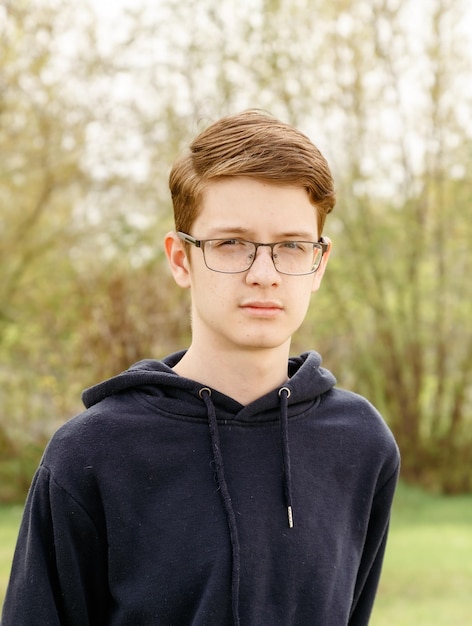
93,110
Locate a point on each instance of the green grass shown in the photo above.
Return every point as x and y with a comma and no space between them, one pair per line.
427,575
9,522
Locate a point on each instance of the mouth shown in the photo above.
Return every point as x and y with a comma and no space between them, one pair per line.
262,308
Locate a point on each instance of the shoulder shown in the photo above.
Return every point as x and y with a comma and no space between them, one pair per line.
358,420
107,417
351,409
94,434
88,452
91,424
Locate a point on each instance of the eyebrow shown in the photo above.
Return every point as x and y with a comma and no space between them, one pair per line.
216,233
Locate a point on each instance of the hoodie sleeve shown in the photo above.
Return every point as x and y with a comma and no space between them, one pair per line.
373,554
59,566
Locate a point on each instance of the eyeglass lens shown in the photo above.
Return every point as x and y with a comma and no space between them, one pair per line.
235,255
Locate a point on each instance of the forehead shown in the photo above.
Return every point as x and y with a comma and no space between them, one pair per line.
240,204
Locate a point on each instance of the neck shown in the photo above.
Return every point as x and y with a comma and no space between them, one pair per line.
244,376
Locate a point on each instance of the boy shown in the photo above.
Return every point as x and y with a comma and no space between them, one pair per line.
227,484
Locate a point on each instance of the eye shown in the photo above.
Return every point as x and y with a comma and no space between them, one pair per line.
294,245
221,243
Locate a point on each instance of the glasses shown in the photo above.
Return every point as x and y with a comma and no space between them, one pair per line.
232,256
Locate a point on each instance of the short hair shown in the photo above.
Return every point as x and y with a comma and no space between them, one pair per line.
252,144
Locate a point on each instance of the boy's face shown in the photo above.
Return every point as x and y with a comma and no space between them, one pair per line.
258,308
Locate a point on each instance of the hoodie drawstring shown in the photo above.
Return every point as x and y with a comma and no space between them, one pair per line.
205,395
284,395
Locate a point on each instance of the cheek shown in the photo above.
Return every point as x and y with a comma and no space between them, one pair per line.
304,304
210,288
301,292
300,301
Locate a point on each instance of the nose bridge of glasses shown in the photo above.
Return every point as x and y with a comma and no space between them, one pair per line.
264,265
270,252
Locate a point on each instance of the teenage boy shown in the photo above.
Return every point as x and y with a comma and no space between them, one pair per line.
227,484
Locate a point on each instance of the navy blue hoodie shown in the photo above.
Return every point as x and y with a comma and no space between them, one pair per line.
166,504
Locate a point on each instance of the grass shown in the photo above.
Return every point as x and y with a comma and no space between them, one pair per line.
427,575
9,521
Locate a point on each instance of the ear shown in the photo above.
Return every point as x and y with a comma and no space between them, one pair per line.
177,258
318,275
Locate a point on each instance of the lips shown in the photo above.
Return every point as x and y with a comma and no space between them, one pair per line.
262,308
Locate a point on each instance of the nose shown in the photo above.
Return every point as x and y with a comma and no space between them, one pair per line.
262,270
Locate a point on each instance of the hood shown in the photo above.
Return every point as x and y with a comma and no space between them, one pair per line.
307,380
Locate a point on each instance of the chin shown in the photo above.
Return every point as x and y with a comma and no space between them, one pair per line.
265,343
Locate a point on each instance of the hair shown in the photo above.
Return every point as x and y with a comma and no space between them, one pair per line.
252,144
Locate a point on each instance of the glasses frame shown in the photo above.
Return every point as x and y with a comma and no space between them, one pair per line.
200,243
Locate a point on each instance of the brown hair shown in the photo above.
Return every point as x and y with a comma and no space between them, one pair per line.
254,144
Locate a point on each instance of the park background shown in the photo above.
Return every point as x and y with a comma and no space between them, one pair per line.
97,99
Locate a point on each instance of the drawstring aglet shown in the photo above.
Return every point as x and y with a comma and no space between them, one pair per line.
290,517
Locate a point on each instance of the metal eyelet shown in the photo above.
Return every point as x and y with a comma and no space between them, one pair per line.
204,389
289,391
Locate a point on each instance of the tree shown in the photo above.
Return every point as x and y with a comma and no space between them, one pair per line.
403,302
91,119
66,188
